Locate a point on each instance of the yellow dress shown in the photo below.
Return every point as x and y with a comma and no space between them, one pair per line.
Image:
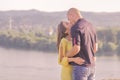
66,72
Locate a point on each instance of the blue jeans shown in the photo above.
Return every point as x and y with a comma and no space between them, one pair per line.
83,73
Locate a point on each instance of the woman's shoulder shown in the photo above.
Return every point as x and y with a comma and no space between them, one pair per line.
63,40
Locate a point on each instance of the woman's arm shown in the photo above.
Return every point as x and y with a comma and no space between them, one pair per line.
62,59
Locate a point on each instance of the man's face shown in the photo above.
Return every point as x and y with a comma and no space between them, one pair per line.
71,18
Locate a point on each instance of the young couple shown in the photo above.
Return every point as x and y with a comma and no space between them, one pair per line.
77,45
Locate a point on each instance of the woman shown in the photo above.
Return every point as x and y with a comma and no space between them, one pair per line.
64,44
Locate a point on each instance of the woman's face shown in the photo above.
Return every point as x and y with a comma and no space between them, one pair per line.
67,26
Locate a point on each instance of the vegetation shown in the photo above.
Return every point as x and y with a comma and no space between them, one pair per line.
108,40
27,41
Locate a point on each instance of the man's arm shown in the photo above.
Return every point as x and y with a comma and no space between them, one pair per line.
95,47
75,49
76,40
96,43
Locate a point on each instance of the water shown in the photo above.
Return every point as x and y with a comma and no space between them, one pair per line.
31,65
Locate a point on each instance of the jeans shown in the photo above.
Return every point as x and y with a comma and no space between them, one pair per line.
83,73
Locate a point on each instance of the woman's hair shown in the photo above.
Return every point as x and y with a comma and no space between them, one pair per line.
61,33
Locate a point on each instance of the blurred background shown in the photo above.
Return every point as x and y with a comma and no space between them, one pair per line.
28,37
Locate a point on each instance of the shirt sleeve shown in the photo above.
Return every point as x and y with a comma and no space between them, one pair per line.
76,39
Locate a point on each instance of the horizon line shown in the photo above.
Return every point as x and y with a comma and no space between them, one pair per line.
57,11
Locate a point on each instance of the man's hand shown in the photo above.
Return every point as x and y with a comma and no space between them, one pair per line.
79,60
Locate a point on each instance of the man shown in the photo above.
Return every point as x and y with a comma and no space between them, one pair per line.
84,45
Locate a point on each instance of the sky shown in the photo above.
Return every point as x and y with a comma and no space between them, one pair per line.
61,5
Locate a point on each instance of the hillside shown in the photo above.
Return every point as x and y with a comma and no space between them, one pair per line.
37,18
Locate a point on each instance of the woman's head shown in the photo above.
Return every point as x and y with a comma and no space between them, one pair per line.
63,31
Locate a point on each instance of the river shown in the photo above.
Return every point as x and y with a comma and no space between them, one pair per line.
33,65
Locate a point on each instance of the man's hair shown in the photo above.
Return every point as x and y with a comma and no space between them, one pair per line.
75,11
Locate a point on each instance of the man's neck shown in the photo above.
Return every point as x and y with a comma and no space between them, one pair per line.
76,20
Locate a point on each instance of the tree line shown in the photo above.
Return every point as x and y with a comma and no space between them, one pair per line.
13,39
108,41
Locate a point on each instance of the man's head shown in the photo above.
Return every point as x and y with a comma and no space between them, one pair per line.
73,15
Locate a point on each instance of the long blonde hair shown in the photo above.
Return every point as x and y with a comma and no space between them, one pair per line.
61,33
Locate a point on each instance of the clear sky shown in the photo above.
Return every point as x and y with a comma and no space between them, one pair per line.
61,5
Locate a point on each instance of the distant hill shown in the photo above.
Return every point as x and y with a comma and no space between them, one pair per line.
37,18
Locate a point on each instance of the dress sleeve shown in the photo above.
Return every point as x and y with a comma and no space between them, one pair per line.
62,59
